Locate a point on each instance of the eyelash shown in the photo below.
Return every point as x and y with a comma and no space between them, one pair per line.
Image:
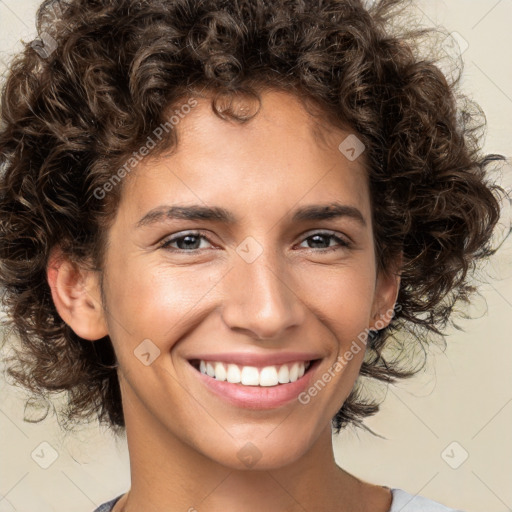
329,235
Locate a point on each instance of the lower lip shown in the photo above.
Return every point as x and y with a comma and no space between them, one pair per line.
257,397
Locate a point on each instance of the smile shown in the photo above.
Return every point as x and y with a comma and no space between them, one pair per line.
255,383
253,376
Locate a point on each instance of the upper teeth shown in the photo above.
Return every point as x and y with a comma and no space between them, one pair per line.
252,376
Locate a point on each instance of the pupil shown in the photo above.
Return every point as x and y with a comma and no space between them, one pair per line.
317,237
186,241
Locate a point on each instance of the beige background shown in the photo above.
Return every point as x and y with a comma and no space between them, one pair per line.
463,397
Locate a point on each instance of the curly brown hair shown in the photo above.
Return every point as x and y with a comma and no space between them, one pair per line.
77,104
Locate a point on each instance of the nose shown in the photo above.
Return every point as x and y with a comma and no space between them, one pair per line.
260,299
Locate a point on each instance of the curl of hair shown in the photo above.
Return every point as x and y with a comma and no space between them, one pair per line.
70,117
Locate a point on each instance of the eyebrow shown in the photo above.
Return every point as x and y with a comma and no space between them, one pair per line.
315,212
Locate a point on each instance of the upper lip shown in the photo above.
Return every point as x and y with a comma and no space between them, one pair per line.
258,360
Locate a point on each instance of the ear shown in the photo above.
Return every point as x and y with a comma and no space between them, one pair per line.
76,295
386,292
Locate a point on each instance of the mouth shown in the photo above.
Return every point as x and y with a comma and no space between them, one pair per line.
260,387
267,376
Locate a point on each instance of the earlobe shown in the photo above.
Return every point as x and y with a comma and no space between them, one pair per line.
76,295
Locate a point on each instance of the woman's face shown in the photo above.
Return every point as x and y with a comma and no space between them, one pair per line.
259,284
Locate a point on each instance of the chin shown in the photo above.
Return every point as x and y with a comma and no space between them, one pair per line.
268,450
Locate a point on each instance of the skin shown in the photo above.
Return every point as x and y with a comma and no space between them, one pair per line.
296,296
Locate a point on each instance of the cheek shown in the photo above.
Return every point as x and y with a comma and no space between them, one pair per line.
155,303
341,296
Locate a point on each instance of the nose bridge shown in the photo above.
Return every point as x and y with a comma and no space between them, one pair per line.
258,295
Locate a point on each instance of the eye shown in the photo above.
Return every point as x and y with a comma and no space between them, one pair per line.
322,238
188,242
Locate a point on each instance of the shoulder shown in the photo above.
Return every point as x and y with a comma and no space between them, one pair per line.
405,502
108,506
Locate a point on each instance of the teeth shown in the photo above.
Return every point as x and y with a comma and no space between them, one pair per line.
252,376
220,372
283,375
210,371
268,376
233,374
294,372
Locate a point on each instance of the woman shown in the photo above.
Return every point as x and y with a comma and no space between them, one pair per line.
215,216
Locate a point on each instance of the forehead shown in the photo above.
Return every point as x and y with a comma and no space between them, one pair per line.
282,156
